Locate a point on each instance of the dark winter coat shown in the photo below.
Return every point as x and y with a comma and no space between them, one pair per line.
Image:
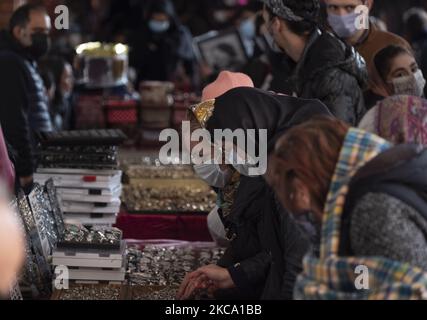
23,104
335,74
266,253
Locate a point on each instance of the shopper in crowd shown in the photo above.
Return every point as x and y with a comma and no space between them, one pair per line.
12,250
367,39
23,106
246,24
270,70
399,74
221,14
326,69
60,103
398,119
225,82
163,46
48,83
415,21
366,197
266,244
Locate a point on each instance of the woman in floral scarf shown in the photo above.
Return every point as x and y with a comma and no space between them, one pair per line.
398,119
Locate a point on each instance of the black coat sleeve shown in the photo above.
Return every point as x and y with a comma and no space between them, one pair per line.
252,272
296,245
341,93
14,113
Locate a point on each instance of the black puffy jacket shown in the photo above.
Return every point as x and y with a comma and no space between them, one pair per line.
23,104
334,73
268,246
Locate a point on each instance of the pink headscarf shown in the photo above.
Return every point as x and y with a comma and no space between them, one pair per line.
399,119
225,82
7,171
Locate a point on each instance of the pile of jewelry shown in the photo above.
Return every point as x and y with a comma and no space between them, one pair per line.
77,234
154,293
156,266
159,172
139,198
91,292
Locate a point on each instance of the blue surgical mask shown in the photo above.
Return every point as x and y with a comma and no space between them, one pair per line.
159,26
247,29
344,26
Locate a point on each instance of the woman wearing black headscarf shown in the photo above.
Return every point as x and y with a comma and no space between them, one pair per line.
162,44
61,103
266,244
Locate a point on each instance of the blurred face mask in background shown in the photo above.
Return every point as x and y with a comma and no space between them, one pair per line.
412,85
159,26
247,29
221,16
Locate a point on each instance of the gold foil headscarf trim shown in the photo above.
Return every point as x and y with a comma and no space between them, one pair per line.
203,111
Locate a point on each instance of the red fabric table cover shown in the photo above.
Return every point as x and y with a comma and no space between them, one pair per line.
184,227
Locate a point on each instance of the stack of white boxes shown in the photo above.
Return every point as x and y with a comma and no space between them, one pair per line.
91,265
84,168
88,197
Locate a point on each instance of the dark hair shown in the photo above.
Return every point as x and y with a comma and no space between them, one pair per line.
21,16
161,6
314,164
54,65
307,9
48,79
384,57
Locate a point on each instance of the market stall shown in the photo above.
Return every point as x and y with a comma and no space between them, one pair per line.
98,262
96,220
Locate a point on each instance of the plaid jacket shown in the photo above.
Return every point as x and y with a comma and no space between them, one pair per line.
332,277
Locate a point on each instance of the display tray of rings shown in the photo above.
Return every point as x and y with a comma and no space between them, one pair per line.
153,273
157,189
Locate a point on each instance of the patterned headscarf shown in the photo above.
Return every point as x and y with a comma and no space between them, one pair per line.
280,9
398,119
334,277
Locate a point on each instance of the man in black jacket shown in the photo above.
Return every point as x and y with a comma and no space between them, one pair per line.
23,104
327,69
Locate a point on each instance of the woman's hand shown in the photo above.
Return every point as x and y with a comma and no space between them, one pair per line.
210,277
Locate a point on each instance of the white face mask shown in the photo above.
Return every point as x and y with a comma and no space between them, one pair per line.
412,85
274,47
213,175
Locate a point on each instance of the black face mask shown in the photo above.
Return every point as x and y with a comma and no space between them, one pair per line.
40,46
